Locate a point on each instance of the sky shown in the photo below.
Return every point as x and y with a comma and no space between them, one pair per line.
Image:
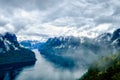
41,19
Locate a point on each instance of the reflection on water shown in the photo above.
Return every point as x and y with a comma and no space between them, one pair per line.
10,72
42,70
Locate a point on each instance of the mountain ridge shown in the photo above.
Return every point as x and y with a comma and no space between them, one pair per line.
12,52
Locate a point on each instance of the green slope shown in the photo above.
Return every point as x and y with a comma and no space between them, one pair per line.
108,68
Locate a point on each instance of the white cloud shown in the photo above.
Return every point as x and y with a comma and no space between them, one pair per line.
55,18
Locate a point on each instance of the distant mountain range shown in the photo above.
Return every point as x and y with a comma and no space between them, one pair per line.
31,44
73,51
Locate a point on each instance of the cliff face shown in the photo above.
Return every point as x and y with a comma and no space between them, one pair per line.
12,52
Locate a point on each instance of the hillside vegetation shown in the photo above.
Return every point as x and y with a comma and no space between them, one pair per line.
108,68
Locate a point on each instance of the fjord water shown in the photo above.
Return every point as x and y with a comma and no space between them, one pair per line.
44,70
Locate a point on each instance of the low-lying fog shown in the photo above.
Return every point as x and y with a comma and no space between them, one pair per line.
44,70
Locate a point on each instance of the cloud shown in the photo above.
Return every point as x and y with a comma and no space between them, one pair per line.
33,15
3,23
28,4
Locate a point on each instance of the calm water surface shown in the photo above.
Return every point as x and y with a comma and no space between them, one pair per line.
43,70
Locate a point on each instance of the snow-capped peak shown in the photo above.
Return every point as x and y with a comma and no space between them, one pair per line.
8,41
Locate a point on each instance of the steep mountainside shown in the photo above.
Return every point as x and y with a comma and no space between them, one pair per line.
12,52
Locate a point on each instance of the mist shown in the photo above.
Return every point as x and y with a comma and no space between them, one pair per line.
45,70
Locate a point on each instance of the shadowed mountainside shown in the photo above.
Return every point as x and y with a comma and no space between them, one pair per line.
12,52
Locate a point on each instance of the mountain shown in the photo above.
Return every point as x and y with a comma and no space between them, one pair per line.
104,38
116,39
70,51
109,40
11,51
31,44
108,67
116,35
